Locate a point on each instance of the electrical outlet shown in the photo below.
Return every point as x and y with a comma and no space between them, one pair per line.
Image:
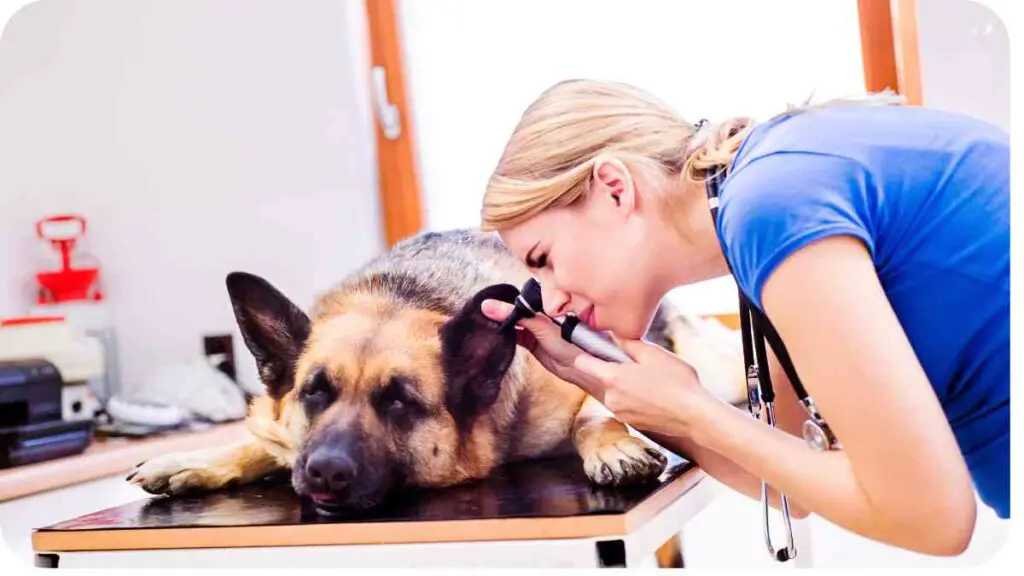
220,350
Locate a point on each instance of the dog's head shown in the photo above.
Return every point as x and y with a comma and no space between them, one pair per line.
379,392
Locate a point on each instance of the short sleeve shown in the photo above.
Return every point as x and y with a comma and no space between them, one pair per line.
776,204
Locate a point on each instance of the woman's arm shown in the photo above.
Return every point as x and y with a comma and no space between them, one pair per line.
900,478
790,417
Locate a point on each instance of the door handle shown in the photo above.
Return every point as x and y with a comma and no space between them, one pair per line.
387,113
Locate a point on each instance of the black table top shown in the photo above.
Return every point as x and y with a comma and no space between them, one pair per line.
541,492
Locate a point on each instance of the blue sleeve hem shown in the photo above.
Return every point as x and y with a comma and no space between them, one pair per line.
796,243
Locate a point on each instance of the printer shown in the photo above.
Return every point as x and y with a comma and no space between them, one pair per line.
32,428
46,408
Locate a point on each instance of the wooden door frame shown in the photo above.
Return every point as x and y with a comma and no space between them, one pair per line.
398,172
889,47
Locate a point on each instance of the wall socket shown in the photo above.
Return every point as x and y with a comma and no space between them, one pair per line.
220,350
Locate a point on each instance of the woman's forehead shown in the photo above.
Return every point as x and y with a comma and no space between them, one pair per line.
522,237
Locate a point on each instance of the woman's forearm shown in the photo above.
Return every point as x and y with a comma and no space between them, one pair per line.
823,483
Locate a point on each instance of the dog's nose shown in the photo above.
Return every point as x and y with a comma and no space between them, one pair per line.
329,470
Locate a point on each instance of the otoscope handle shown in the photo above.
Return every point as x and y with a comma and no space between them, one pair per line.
592,343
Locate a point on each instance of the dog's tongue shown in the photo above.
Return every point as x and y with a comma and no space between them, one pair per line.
324,498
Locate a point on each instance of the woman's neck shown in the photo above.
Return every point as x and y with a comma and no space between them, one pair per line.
696,255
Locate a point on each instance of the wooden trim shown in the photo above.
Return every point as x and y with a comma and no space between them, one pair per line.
876,44
401,204
907,50
729,320
107,457
889,47
334,534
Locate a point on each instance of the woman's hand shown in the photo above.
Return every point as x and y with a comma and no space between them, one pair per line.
658,393
541,337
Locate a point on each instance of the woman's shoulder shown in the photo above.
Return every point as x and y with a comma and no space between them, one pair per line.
801,178
839,155
863,132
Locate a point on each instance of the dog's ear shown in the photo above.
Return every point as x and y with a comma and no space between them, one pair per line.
274,329
475,355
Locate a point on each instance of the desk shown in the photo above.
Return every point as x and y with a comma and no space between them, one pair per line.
539,513
108,456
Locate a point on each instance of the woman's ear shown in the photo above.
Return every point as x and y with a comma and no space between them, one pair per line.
613,184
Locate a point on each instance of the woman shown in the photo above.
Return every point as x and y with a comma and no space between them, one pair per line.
874,238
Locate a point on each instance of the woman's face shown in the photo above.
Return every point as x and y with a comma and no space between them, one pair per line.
603,258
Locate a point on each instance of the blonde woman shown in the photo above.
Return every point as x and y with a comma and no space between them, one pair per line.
874,237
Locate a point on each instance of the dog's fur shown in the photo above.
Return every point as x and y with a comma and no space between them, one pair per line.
397,373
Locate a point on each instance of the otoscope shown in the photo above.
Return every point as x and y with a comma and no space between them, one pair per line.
529,303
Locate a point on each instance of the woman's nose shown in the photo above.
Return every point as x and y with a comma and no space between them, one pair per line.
555,302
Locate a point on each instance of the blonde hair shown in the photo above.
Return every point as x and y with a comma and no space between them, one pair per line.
549,160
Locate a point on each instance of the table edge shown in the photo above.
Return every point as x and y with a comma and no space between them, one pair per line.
471,530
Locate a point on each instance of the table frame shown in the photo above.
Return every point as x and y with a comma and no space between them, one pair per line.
649,534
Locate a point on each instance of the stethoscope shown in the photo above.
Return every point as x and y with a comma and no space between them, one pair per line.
755,329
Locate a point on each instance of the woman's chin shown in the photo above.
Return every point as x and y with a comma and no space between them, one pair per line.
629,330
623,330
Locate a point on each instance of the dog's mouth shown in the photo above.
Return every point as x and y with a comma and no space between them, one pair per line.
329,504
340,505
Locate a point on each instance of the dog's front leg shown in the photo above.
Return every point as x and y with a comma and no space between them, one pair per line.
205,470
611,455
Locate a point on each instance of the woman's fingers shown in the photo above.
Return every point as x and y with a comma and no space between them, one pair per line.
526,339
543,339
594,367
543,329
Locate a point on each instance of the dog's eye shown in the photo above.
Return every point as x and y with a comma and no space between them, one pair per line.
397,399
317,391
309,392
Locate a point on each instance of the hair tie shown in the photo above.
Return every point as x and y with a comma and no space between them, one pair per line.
700,124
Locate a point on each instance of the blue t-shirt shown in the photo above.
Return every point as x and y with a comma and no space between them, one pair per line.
929,195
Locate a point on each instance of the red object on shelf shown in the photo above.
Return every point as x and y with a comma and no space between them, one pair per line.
27,320
69,283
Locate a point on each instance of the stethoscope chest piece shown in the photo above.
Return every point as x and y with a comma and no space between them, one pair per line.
815,436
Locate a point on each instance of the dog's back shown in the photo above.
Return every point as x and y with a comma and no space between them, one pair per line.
433,270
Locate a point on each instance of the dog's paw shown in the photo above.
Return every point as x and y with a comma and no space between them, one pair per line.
175,474
624,460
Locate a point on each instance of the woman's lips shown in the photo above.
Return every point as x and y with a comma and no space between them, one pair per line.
588,318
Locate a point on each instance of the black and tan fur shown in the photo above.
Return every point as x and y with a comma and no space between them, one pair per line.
396,373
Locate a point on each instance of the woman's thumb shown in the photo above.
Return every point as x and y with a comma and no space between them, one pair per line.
496,309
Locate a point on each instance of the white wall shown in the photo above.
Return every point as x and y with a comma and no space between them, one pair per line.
965,59
474,66
198,137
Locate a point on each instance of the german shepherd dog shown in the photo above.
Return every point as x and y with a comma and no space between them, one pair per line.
396,379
